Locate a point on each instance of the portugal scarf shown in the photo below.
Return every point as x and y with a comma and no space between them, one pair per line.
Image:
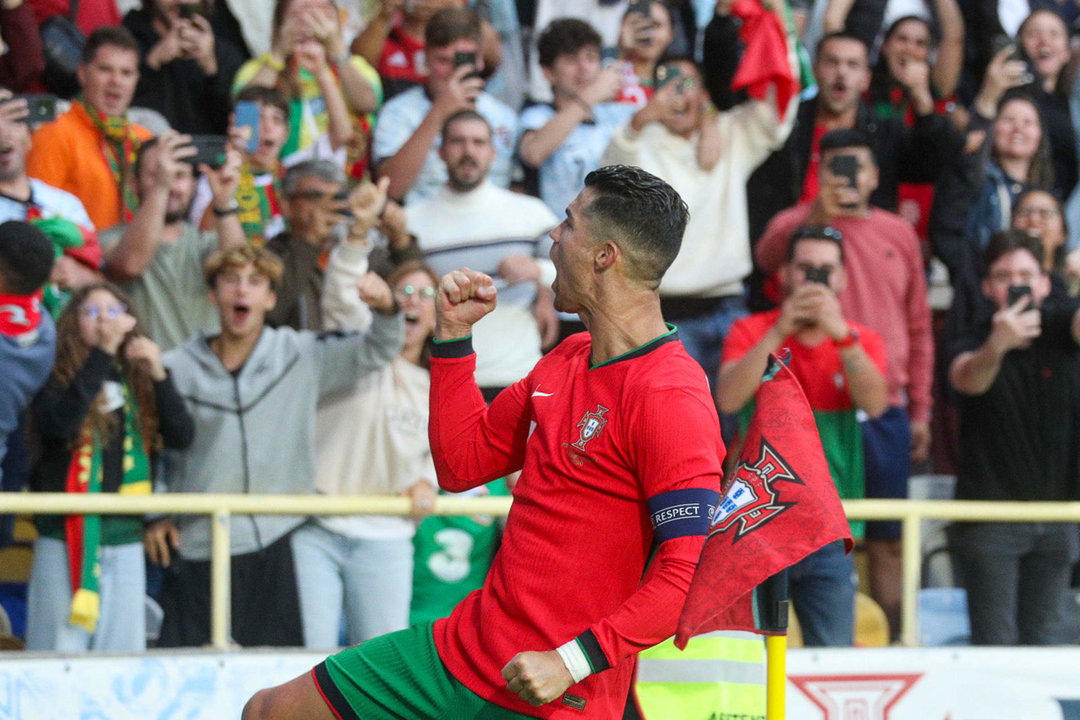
83,532
19,314
120,145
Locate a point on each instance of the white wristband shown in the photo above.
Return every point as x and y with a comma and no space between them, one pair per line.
574,658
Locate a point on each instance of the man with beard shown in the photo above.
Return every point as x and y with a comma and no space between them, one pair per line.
842,72
471,222
158,257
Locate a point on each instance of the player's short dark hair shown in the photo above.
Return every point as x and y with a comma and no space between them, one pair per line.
847,138
465,114
112,35
1006,241
839,35
826,233
26,258
265,96
448,26
565,36
643,213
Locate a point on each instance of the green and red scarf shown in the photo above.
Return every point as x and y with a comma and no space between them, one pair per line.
83,532
120,146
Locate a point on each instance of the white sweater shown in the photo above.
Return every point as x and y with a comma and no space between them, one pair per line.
371,439
715,254
479,229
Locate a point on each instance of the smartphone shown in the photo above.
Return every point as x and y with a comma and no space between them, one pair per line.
209,149
818,274
1016,292
641,7
41,108
340,196
845,166
466,58
1000,42
247,115
187,10
666,74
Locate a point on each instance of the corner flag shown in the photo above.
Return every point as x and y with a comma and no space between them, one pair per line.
779,506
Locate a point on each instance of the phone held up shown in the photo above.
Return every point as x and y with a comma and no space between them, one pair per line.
209,150
816,274
466,58
1018,291
40,108
247,116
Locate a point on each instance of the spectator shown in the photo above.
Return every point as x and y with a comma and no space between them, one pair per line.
974,198
703,291
841,70
90,150
1015,370
913,39
159,256
642,42
21,59
108,407
407,137
320,216
56,211
886,291
329,88
563,141
1044,39
185,71
393,42
27,335
841,366
1041,215
907,49
471,222
370,440
258,198
249,387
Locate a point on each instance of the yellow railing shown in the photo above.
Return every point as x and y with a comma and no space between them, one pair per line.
222,507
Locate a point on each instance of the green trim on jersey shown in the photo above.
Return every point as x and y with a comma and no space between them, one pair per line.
640,349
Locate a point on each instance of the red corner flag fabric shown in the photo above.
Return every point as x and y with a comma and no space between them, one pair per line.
779,506
765,55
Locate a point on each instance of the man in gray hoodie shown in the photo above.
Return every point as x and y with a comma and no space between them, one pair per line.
252,391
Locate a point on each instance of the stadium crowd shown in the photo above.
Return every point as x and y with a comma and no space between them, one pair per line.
224,222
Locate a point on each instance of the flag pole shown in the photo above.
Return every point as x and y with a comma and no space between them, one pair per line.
773,605
775,676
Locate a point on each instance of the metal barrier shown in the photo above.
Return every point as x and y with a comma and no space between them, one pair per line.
222,507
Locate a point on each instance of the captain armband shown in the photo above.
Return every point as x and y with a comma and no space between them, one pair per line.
682,513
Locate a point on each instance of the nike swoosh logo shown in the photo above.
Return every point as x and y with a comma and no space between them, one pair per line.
537,393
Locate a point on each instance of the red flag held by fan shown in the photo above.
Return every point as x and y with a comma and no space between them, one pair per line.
765,60
779,505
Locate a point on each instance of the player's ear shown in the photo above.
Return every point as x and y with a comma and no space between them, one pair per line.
607,252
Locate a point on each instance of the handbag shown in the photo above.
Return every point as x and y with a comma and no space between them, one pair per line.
62,45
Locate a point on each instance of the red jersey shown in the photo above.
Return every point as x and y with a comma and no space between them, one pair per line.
600,448
818,369
402,63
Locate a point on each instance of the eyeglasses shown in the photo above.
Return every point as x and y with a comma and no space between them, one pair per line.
821,232
1036,213
426,293
93,312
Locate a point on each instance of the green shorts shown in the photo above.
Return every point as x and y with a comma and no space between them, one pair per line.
399,676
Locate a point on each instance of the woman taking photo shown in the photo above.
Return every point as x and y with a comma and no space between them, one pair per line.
106,408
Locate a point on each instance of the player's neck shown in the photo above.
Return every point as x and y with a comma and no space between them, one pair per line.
618,328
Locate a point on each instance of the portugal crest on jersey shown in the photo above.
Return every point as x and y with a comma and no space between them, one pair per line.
589,426
753,499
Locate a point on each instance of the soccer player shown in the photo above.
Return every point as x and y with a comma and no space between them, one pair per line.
619,445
